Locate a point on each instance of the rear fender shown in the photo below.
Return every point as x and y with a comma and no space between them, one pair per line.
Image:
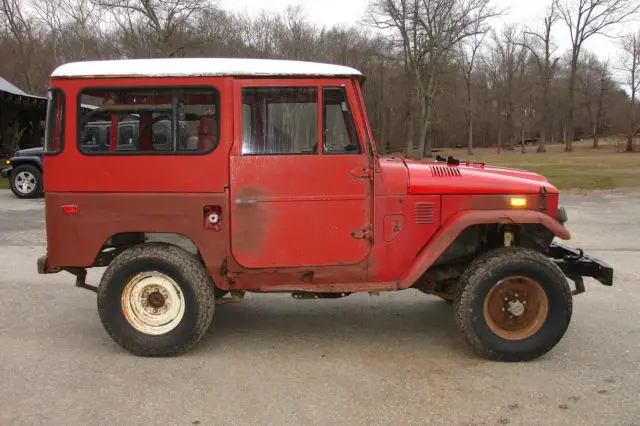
461,221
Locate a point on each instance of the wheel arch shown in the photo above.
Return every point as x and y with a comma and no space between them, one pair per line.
538,227
117,243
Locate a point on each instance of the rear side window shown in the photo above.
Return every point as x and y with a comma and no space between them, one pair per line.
148,120
53,136
279,121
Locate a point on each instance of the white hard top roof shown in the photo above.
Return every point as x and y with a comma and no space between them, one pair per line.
200,67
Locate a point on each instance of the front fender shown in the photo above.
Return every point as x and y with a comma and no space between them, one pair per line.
18,161
461,221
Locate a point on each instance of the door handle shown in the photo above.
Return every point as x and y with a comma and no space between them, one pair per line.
246,201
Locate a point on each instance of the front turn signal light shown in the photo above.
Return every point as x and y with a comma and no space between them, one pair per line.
518,202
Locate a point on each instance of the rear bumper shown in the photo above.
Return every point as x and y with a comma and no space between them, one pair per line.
6,171
576,265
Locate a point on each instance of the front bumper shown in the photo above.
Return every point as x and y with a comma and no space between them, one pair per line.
5,172
576,265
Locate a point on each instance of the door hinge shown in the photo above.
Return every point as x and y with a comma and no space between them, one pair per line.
363,233
363,172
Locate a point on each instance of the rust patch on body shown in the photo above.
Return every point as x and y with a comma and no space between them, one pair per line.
250,221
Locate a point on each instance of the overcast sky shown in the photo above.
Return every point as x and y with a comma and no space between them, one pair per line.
331,12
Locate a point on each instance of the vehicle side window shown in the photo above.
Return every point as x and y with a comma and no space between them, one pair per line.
90,137
54,128
150,120
279,120
339,132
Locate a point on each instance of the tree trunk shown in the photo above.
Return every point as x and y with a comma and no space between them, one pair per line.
410,133
630,144
542,144
470,146
424,145
596,137
572,86
499,137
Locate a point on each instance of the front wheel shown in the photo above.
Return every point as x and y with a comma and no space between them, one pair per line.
26,181
156,299
513,304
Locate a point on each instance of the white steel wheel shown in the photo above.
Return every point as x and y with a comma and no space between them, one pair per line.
153,303
156,299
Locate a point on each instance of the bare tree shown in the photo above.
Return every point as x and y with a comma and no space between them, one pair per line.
158,26
584,19
429,31
506,61
631,64
467,56
540,44
20,28
594,80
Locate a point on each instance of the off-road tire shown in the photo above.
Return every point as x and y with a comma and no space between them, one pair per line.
484,273
35,172
193,280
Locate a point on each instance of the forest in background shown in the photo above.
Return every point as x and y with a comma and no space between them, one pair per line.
439,75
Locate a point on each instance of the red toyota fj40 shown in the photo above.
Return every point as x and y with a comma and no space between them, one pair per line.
189,179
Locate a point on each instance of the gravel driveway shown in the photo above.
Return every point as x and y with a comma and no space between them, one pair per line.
363,360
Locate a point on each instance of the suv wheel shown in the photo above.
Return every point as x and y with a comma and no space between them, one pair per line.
156,299
26,181
513,304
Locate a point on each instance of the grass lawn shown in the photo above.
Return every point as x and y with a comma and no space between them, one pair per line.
584,168
4,183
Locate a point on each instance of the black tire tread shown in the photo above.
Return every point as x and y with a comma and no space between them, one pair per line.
465,297
191,268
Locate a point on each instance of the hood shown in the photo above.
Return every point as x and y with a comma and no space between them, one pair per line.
29,152
470,178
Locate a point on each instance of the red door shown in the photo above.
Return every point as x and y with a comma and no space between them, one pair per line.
300,191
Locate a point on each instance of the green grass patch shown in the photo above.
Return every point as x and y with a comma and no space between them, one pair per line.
4,183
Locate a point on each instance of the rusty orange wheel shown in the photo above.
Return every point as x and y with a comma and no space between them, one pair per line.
516,308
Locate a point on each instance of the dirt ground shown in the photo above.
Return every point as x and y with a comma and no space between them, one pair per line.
363,360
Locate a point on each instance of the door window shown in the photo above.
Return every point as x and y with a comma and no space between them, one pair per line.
280,121
339,133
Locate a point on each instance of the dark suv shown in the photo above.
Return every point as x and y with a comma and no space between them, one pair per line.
25,173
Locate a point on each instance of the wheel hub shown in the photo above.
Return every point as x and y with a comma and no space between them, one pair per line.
156,300
25,182
516,308
153,303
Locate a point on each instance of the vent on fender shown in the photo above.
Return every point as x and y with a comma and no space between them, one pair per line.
444,171
424,213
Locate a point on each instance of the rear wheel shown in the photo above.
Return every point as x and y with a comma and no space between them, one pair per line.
156,299
513,304
26,181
